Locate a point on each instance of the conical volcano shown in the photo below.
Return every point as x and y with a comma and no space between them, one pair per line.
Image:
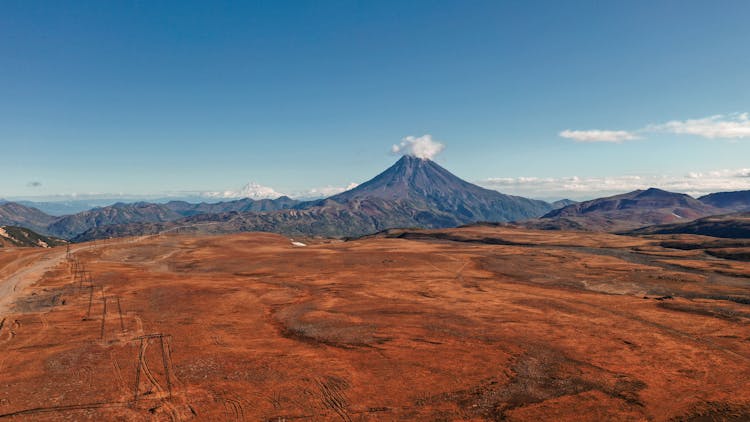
410,177
425,185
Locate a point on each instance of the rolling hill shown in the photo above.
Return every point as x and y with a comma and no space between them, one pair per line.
733,226
23,237
626,211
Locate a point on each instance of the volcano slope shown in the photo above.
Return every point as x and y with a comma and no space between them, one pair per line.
476,323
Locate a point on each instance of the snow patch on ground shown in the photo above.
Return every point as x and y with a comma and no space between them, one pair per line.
298,243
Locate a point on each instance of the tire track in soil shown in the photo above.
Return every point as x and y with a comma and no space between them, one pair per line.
22,342
2,324
233,408
162,395
118,374
147,371
138,326
44,321
63,408
85,375
32,272
333,396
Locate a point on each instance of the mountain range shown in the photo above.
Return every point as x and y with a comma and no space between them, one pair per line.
626,212
15,214
413,192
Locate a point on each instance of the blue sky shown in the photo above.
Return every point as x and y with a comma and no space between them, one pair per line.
147,98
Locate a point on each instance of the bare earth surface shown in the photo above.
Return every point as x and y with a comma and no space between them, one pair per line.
480,323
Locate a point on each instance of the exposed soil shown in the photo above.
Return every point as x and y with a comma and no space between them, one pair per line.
476,323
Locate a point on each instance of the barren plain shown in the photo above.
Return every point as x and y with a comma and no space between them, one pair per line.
475,323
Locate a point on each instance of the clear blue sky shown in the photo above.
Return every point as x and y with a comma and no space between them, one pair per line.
149,97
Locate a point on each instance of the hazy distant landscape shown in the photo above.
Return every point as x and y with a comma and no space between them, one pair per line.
374,211
414,192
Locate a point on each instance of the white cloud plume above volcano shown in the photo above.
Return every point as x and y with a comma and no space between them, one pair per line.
418,146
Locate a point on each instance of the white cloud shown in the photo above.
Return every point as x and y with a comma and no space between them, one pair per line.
582,188
421,147
596,135
719,126
326,191
732,126
251,190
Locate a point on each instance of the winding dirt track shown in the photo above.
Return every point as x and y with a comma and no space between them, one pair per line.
480,323
27,270
31,269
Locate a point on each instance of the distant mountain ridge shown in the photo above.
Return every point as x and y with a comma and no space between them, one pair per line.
413,192
562,203
14,214
187,209
736,201
626,211
71,225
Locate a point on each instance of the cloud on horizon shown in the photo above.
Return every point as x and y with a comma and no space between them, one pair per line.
251,190
421,147
719,126
326,191
595,135
583,188
732,126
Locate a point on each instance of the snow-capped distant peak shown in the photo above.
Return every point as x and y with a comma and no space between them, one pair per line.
251,190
